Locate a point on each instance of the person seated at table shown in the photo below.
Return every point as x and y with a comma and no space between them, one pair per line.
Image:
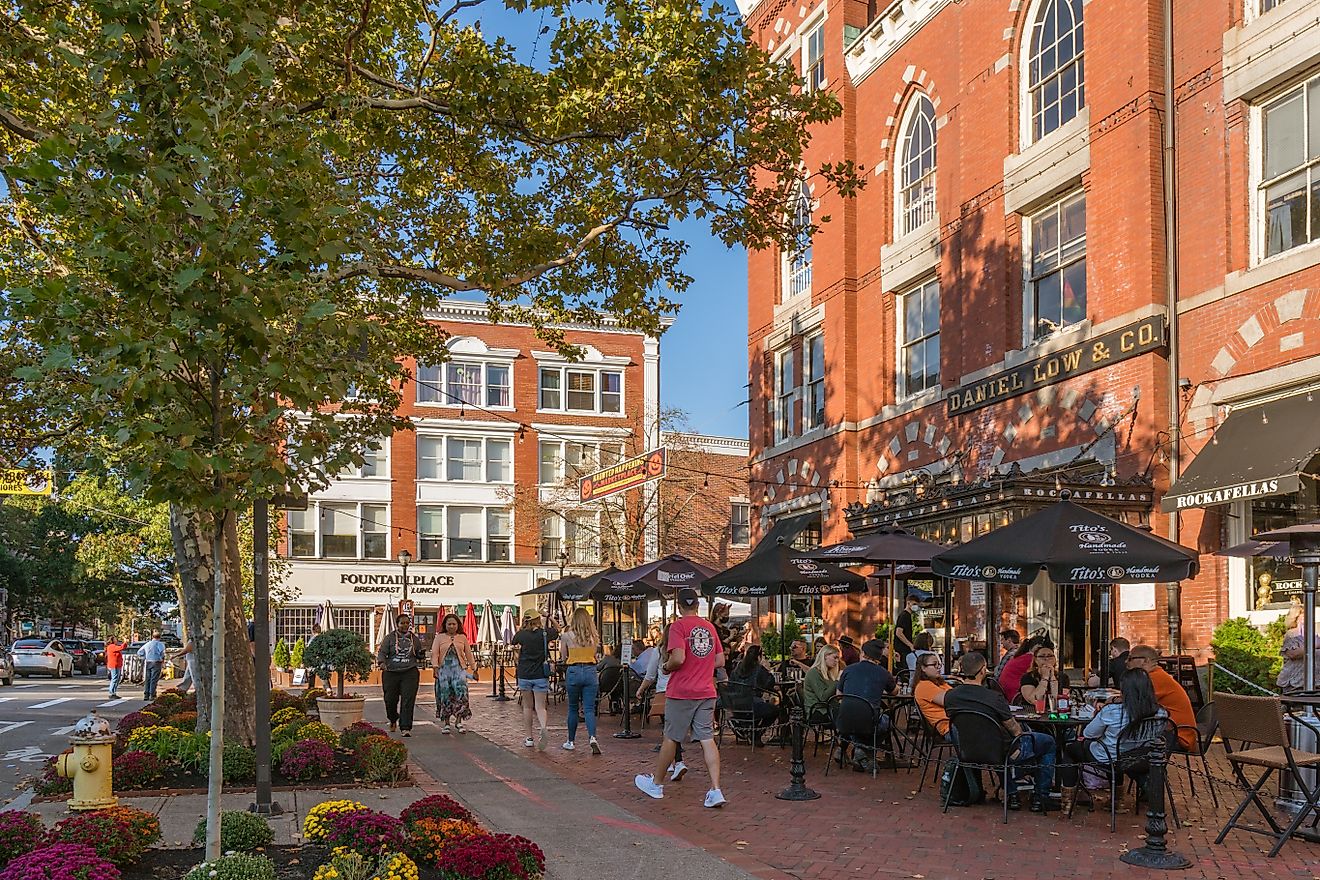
1043,680
797,662
1119,649
872,681
922,644
848,653
751,678
1170,695
1030,748
1010,680
609,659
821,683
1009,639
928,689
641,657
1100,745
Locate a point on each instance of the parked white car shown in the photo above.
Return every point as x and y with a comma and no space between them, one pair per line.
41,657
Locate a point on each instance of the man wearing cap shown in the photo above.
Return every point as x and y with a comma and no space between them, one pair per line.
694,657
398,656
870,680
848,651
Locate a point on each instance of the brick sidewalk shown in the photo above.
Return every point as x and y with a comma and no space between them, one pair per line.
878,827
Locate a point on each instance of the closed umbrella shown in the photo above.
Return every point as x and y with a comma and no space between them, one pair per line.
508,625
470,624
486,633
328,617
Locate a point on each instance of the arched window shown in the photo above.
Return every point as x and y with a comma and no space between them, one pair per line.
797,263
1057,80
916,177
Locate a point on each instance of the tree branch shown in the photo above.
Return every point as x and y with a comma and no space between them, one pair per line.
16,126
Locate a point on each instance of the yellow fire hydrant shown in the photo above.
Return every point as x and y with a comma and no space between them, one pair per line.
89,765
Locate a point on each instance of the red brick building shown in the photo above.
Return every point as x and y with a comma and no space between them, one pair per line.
705,511
994,318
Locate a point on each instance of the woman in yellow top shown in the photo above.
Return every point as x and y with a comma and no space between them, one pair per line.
579,645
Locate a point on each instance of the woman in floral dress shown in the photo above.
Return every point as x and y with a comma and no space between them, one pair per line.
453,664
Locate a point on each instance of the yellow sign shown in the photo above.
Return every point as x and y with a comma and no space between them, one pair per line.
624,475
18,482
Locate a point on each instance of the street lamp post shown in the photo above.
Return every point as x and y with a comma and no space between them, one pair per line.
554,597
404,558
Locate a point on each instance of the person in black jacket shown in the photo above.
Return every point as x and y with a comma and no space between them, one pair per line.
1118,658
399,654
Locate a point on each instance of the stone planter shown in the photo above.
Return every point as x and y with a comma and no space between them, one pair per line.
339,713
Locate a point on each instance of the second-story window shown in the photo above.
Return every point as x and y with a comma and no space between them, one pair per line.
916,190
1057,273
566,460
464,533
1290,168
797,260
464,459
339,530
813,376
1056,75
579,390
813,58
375,462
919,353
740,519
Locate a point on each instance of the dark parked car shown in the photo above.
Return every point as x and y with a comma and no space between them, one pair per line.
84,657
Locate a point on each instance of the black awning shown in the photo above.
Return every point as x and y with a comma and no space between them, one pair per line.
1258,450
787,528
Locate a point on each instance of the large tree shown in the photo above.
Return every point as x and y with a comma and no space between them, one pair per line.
223,214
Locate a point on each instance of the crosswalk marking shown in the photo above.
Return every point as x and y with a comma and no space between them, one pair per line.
6,726
108,703
5,699
50,703
68,687
27,685
63,731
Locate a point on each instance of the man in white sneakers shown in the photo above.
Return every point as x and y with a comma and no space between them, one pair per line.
694,655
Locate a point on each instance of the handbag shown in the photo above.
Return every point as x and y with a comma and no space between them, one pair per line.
545,667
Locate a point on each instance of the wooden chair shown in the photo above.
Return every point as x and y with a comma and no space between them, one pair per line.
1260,721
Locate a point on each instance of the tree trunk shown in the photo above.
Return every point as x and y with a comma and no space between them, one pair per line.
194,554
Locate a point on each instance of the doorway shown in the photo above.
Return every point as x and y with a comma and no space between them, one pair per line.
1083,615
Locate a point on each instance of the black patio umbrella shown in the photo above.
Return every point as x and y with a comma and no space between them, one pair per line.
1252,547
782,570
665,574
1303,543
894,547
1074,545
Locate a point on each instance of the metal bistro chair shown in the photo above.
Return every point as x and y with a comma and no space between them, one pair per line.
1260,721
1206,725
930,748
856,725
819,719
737,708
981,743
1131,760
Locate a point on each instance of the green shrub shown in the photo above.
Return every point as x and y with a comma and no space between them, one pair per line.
381,759
239,762
280,657
240,831
296,654
1244,650
341,651
239,866
193,754
161,740
289,729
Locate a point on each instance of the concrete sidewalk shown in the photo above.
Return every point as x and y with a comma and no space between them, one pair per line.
582,835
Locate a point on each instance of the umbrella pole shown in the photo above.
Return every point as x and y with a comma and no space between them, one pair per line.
893,619
948,626
1086,672
627,732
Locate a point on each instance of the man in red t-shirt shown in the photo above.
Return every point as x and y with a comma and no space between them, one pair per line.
694,655
114,664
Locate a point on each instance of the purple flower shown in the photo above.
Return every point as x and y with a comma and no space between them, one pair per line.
366,831
61,861
307,759
20,833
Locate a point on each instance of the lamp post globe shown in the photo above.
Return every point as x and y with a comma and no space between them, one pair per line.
404,558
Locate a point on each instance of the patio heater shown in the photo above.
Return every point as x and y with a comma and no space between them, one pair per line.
1304,548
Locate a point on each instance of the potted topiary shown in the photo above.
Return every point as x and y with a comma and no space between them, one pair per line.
343,652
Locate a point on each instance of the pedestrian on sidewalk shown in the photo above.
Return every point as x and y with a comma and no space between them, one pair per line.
153,660
452,662
578,646
533,674
657,678
190,667
114,664
399,654
694,657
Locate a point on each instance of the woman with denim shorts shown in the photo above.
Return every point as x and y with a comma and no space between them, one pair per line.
578,646
533,673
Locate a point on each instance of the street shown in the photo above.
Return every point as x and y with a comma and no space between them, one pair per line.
37,716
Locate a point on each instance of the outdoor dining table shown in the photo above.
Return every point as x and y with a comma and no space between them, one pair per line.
1059,727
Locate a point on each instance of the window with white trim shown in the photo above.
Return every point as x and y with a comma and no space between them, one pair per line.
797,259
813,377
740,524
1267,5
785,386
1056,80
1290,168
465,383
916,180
339,530
1056,272
919,335
813,58
375,462
565,460
581,390
464,459
574,533
464,533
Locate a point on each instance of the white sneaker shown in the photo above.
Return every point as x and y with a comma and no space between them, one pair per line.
568,746
595,746
527,743
646,784
459,727
445,729
677,771
715,798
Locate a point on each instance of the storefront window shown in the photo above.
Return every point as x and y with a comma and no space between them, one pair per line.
1274,582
